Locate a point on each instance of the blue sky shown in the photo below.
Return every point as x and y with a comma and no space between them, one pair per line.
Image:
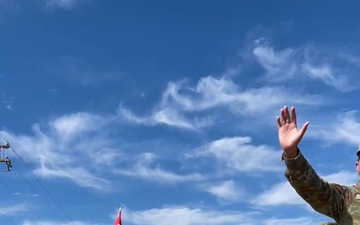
168,108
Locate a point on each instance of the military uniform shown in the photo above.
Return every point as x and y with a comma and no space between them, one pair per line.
339,202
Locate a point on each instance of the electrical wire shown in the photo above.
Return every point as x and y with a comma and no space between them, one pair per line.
43,187
26,205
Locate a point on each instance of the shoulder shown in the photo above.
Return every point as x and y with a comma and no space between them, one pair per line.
340,186
348,192
343,188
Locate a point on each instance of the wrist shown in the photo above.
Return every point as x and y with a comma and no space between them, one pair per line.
291,152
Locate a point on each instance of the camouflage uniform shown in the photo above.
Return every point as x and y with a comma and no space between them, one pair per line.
339,202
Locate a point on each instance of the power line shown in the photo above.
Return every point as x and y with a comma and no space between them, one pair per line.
8,218
33,188
26,205
44,188
47,192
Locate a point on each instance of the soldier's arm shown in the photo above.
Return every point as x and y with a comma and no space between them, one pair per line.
327,199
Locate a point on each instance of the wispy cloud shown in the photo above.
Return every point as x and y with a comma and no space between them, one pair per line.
166,116
284,194
80,122
79,176
6,100
26,222
280,65
327,74
226,191
63,4
280,194
307,62
211,92
184,106
60,148
345,128
238,154
144,170
198,216
68,127
342,177
183,215
80,138
80,72
291,221
12,210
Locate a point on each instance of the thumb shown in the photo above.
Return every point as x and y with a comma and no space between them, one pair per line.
303,129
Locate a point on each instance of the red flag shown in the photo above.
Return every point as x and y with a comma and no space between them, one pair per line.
118,218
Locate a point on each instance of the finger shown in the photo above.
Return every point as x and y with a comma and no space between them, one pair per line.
287,114
303,129
282,117
278,122
293,116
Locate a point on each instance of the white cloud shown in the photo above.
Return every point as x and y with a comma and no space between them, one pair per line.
144,170
326,74
165,116
208,93
63,4
181,215
77,71
211,92
12,209
7,101
79,176
184,215
293,221
77,147
26,222
40,148
226,191
307,62
69,126
280,65
26,195
342,177
284,194
350,58
238,154
181,104
104,156
344,129
55,157
280,194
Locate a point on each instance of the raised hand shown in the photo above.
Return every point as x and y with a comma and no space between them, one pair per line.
289,135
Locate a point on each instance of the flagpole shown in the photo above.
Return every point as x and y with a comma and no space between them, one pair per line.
118,218
119,213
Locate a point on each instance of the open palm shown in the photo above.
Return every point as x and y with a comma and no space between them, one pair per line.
289,135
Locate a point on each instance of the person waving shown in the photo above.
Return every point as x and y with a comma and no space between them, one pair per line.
339,202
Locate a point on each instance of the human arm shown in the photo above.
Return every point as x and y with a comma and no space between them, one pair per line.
325,198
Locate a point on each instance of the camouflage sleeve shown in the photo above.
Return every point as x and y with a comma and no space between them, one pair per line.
325,198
